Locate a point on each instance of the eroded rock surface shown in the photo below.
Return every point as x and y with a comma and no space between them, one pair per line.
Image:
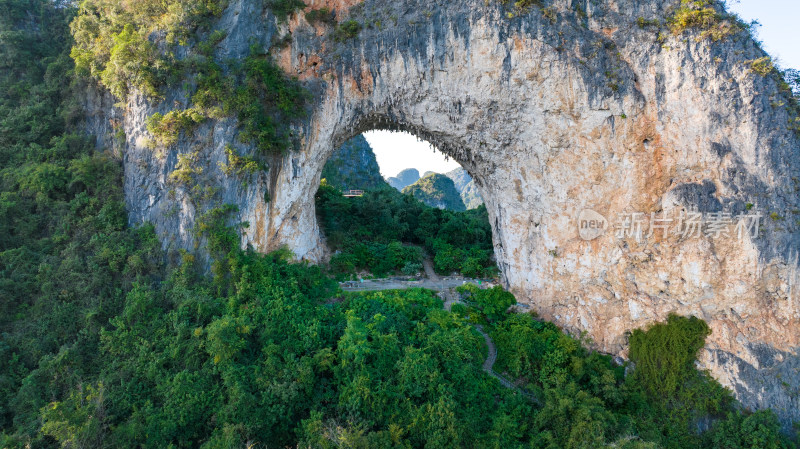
551,114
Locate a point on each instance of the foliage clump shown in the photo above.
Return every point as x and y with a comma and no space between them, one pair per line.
347,30
186,169
705,16
322,15
166,128
762,66
522,6
134,45
114,41
285,8
239,165
665,353
486,305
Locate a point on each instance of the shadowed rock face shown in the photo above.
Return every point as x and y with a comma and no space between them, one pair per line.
551,118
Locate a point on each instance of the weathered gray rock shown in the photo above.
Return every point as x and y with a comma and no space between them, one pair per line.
587,111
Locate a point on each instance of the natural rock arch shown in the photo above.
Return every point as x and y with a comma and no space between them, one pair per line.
580,108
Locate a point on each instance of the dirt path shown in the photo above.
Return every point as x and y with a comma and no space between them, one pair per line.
429,271
451,297
491,356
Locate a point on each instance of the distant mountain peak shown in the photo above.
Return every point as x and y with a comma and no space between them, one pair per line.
404,179
436,190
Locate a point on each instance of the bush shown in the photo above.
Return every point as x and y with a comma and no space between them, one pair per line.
347,30
322,15
411,268
760,430
703,15
167,128
665,353
762,66
284,8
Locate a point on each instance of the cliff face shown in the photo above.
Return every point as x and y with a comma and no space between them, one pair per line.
579,111
353,167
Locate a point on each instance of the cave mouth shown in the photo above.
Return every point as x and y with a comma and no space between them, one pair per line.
390,204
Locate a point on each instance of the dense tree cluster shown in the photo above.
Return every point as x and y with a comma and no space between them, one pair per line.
385,231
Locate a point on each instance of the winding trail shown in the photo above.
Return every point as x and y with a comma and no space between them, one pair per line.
449,297
446,288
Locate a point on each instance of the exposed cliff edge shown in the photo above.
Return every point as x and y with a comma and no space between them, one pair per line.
579,106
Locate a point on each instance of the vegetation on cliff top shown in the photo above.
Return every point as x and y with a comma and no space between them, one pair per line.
135,45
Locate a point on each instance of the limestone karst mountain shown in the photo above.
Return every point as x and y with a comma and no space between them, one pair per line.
438,191
466,187
353,167
631,109
404,179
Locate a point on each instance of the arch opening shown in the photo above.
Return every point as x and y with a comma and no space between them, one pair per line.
390,204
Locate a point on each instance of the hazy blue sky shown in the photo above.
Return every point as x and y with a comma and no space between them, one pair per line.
780,26
779,32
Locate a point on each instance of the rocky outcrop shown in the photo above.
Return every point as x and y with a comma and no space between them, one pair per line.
582,106
404,179
353,167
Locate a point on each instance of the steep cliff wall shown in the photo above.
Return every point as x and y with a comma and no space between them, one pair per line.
580,106
353,167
